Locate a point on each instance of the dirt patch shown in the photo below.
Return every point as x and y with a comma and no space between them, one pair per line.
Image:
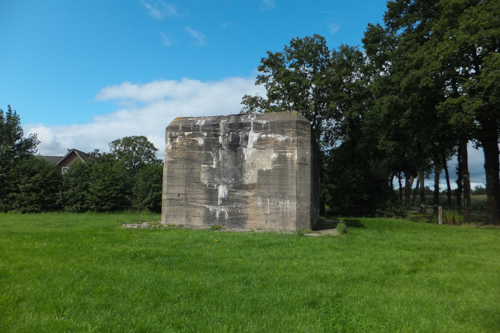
332,232
142,225
320,230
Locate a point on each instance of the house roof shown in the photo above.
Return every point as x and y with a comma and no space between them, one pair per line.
83,156
51,159
59,159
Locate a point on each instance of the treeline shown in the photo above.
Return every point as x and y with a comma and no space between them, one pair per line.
129,177
425,86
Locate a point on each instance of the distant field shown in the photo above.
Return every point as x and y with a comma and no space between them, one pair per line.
85,273
478,204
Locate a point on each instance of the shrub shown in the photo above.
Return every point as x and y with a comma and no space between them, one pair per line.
341,227
100,186
33,186
452,217
392,208
148,188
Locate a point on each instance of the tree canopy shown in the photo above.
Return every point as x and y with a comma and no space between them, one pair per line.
14,147
427,85
134,152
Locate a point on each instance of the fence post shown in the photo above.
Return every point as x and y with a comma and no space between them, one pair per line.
440,214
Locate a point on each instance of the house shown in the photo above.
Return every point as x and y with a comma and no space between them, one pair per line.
64,162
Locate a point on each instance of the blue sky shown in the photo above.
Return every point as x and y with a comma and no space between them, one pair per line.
82,73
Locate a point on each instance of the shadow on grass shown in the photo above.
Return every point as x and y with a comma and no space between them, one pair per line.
331,223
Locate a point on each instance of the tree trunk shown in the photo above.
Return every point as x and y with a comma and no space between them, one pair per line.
400,188
408,185
459,189
422,191
465,178
492,167
448,186
437,172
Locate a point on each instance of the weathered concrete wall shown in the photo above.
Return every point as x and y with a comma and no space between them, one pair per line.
253,171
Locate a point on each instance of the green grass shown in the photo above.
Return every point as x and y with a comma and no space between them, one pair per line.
85,273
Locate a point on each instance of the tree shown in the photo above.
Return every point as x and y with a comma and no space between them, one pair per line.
466,41
110,188
134,152
75,188
148,188
33,187
13,146
100,185
408,93
296,79
331,90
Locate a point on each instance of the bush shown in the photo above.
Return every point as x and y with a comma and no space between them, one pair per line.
33,186
148,188
101,185
452,217
392,208
341,227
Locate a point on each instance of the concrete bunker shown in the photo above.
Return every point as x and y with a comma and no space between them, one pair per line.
247,171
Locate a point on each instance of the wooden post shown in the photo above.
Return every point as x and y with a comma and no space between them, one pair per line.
440,214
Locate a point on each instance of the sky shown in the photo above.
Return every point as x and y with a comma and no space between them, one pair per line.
83,73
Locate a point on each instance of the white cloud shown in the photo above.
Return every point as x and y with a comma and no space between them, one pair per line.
267,4
151,108
165,39
200,37
334,28
160,9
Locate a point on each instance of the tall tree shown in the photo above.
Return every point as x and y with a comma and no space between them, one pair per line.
100,185
33,187
330,88
297,79
134,152
148,188
13,146
466,44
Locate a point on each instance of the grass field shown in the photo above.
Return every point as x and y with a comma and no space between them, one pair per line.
85,273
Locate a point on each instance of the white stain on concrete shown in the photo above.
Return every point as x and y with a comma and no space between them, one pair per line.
222,193
277,137
200,141
219,211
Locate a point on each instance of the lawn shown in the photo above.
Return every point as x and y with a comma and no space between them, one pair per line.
85,273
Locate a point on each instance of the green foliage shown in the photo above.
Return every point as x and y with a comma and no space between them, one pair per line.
134,152
148,188
109,188
33,187
452,217
341,227
356,179
14,147
437,84
101,185
330,88
296,80
392,208
74,191
216,227
479,203
478,190
84,272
